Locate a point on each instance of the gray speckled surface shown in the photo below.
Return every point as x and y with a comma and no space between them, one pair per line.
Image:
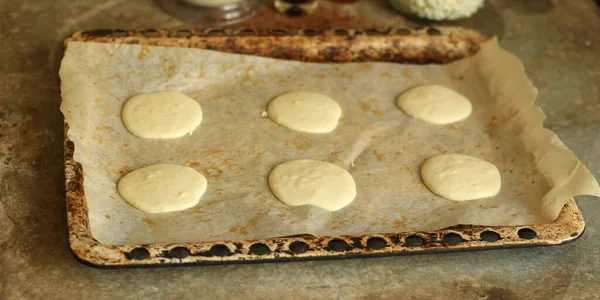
558,41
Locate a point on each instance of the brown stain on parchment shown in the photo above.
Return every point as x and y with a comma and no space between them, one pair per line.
364,106
259,82
243,229
336,155
104,128
108,217
226,66
532,157
225,162
406,73
194,164
366,67
213,151
212,171
400,222
170,71
124,170
337,152
145,49
384,221
113,95
113,77
123,148
258,149
149,221
107,168
378,113
320,76
195,209
408,169
379,156
439,148
386,74
301,142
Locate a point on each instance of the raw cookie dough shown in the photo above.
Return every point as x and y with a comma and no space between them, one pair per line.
306,181
305,112
434,104
161,115
162,188
461,177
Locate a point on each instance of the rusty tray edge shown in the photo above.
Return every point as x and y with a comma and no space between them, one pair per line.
336,45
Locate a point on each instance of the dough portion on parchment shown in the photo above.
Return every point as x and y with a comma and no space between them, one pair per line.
435,104
461,177
313,182
305,112
162,188
161,115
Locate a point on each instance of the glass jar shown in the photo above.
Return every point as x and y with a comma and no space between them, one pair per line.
438,10
296,7
211,12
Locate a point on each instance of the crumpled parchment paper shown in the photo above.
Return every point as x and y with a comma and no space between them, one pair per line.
383,149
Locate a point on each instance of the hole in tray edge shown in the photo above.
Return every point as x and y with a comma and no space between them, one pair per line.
179,252
527,233
260,249
219,250
337,245
376,243
138,254
298,247
452,239
414,241
490,236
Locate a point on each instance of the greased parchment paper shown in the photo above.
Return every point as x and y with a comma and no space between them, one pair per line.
236,146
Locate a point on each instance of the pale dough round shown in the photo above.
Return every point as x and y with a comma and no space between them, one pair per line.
461,177
161,115
305,112
318,183
162,188
434,104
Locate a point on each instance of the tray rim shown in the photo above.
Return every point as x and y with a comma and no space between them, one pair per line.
568,227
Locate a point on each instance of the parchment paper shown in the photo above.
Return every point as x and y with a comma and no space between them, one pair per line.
383,149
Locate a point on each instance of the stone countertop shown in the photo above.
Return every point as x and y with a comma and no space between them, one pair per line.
557,40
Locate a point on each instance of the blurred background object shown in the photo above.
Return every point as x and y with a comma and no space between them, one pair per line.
438,10
211,12
296,7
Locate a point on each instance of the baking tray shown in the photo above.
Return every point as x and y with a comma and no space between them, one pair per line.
423,45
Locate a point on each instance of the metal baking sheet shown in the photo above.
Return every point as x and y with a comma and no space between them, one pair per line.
436,45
